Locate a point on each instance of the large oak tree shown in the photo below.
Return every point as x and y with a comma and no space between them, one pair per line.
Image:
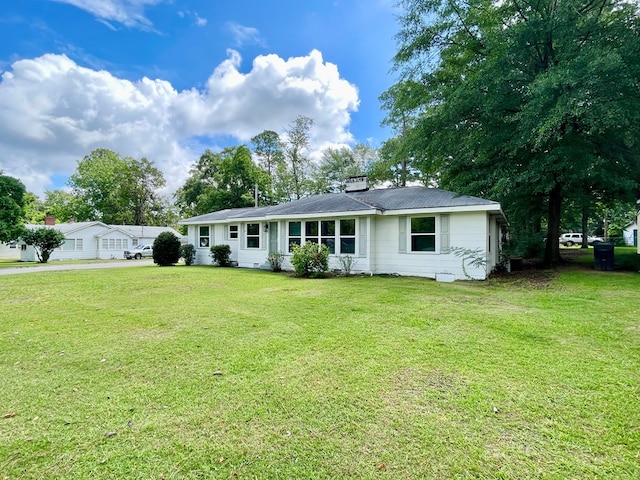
116,189
530,102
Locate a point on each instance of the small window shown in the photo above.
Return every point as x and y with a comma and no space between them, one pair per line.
423,234
253,235
295,234
203,237
233,232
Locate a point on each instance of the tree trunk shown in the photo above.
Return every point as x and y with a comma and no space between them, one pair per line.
552,247
585,220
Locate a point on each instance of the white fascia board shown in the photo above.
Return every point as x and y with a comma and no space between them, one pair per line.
436,210
358,213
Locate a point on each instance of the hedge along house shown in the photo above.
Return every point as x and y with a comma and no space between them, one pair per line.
94,240
406,231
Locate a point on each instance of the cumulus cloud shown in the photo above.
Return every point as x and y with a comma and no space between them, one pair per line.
127,12
54,111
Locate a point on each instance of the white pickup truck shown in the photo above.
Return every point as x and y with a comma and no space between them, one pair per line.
139,252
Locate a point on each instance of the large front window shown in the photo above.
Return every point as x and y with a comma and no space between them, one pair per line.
423,234
326,233
203,237
253,235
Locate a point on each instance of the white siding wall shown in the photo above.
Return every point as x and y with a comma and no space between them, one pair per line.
467,230
378,248
252,257
89,245
7,252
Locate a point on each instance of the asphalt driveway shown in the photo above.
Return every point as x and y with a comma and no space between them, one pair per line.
52,267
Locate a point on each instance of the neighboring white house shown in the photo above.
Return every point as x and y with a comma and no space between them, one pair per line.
405,231
630,234
95,240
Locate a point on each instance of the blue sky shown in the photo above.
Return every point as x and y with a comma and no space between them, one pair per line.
165,79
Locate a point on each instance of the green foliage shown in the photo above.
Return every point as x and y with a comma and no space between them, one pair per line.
275,260
268,149
298,163
338,164
310,259
166,249
34,209
64,206
188,253
525,245
12,198
514,101
221,255
44,240
223,180
113,189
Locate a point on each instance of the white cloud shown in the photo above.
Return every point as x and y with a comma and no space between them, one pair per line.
243,35
127,12
53,112
198,20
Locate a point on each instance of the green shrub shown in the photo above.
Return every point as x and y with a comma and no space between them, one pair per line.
310,259
44,240
188,253
275,260
166,249
221,255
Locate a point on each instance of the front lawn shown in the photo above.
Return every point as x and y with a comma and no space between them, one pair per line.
202,372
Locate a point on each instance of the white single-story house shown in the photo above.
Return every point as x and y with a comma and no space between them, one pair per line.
95,240
404,231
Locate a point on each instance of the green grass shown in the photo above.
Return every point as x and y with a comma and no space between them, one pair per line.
114,374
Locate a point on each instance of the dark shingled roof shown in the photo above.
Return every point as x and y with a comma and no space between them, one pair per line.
405,198
401,198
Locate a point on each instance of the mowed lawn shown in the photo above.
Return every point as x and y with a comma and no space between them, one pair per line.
202,372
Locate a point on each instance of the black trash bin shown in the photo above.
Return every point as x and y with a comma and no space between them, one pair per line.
603,256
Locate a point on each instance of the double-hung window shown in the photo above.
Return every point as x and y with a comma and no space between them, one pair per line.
348,236
253,235
204,236
233,232
423,234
